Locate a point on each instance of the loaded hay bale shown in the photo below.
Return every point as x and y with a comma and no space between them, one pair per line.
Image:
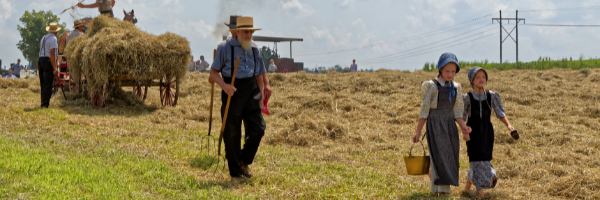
113,47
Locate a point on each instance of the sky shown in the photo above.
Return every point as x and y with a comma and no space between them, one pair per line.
390,34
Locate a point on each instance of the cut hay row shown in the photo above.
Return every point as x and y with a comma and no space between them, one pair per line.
113,47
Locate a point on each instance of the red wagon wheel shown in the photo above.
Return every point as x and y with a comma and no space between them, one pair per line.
169,91
137,90
98,99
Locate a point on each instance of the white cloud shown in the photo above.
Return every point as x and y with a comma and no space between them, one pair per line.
343,3
6,10
201,28
318,34
359,23
294,7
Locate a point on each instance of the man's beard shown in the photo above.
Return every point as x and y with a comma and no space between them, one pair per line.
246,44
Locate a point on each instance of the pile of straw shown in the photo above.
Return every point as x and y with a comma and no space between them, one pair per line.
113,47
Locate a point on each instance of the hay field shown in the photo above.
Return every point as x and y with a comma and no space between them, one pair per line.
328,136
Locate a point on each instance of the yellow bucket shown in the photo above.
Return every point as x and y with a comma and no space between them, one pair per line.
417,165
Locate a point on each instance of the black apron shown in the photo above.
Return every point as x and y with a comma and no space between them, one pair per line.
481,145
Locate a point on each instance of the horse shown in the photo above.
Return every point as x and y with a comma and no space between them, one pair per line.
130,17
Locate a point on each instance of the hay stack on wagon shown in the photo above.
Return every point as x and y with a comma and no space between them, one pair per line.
114,48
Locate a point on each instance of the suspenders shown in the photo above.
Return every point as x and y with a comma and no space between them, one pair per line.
232,62
254,51
43,47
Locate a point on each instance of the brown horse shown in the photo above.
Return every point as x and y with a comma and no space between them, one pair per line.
129,17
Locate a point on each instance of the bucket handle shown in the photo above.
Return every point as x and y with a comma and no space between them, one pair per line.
411,147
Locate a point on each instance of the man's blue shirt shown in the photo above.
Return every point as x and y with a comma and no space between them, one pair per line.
246,68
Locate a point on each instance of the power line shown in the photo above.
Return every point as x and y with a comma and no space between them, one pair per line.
563,9
561,25
433,43
409,38
413,54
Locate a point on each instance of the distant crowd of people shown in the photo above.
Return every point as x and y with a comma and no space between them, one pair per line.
199,65
15,70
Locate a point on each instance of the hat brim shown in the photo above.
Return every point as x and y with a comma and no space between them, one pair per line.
230,25
52,31
246,29
76,26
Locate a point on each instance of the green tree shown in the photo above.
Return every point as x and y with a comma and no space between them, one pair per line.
268,54
33,29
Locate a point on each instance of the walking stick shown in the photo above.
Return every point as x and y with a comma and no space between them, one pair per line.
237,61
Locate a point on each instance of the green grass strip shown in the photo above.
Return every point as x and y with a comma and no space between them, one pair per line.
28,171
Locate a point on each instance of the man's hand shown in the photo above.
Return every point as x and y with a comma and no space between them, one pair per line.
229,89
211,80
268,91
80,5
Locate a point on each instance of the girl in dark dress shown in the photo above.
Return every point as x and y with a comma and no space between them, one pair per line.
442,106
479,104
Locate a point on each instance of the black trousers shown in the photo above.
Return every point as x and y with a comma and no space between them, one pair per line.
46,75
244,106
108,12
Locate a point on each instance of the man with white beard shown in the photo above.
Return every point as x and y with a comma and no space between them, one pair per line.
246,97
232,28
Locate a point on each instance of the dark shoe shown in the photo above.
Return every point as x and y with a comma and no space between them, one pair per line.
246,170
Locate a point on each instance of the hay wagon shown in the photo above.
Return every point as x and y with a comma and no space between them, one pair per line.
169,85
115,54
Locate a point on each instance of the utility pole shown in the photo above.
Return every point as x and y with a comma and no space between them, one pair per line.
517,20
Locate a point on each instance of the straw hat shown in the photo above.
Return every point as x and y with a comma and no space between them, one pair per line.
53,28
77,23
245,23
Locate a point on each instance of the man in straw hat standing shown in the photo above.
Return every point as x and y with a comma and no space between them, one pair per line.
246,97
78,26
232,28
104,6
47,62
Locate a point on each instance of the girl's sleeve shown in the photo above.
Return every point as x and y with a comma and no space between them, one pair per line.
426,92
467,102
497,105
459,106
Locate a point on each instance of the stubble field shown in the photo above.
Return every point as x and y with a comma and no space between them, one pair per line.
331,136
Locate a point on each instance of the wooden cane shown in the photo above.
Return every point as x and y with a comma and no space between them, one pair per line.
212,94
237,61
